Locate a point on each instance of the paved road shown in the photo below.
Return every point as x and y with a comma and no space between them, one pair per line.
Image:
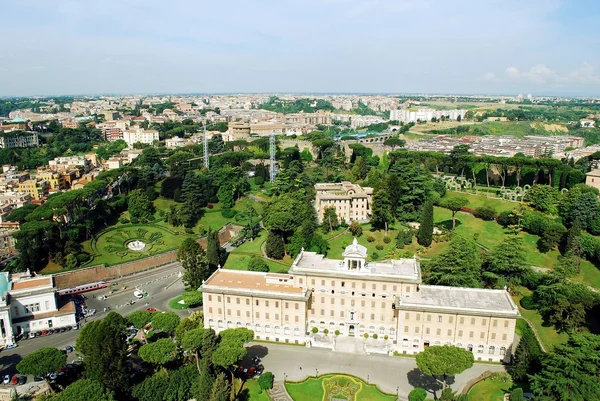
153,281
387,372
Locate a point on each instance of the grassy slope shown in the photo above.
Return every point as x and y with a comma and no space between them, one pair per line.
476,201
312,390
240,257
488,390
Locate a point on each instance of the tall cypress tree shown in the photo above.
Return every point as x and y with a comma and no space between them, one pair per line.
425,234
213,249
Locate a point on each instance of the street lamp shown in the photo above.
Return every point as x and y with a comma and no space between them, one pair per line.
368,377
284,377
316,372
397,391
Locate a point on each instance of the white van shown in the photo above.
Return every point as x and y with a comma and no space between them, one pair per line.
138,294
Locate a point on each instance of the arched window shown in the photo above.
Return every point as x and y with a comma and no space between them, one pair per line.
503,351
382,330
492,350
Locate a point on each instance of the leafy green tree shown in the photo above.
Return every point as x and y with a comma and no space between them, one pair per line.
359,171
185,325
550,236
425,233
288,212
192,298
394,142
139,205
585,209
565,304
231,348
42,362
444,361
573,246
274,246
193,340
454,204
159,353
459,265
213,249
355,228
517,394
139,318
570,372
257,264
382,208
176,386
202,386
86,389
417,394
105,361
221,389
265,381
506,262
330,220
193,259
543,198
527,356
166,322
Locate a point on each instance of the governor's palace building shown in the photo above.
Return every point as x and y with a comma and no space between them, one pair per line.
355,297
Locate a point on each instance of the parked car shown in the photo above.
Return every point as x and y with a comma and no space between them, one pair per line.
151,310
11,346
138,294
14,380
38,379
22,379
53,376
6,379
69,349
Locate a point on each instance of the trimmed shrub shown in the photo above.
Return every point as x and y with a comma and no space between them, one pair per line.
370,238
315,330
501,377
366,335
375,336
506,218
337,332
228,213
375,256
485,213
123,220
379,247
385,337
355,229
528,303
326,331
387,239
417,394
259,180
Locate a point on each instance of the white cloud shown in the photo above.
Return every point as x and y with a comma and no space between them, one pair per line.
540,74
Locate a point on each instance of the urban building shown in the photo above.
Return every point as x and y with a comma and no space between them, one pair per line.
593,179
175,142
30,304
7,243
18,139
35,188
56,181
408,116
141,135
384,301
351,201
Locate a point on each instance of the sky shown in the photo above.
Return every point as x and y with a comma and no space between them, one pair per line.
69,47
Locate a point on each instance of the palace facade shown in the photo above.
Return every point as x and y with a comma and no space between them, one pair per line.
351,201
356,298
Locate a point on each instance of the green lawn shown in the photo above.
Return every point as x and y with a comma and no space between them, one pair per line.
174,303
548,335
338,245
252,392
240,257
488,390
313,389
476,201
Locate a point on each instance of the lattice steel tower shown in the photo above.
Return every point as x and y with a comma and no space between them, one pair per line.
206,163
272,151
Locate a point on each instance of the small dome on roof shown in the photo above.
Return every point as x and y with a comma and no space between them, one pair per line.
355,250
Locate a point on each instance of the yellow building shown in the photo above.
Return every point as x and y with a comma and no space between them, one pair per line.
55,181
351,201
379,307
37,189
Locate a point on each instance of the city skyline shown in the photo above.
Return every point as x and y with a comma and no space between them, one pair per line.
335,46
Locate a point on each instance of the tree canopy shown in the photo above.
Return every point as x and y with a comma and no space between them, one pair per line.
42,362
444,361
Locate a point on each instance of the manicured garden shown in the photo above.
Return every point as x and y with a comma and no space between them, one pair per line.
477,201
240,257
114,245
336,386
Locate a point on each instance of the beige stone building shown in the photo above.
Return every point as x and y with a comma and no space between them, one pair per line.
372,306
351,201
593,179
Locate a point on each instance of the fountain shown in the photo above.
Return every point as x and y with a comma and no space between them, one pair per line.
136,245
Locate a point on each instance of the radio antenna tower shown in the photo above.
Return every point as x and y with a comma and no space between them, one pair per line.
272,151
206,163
